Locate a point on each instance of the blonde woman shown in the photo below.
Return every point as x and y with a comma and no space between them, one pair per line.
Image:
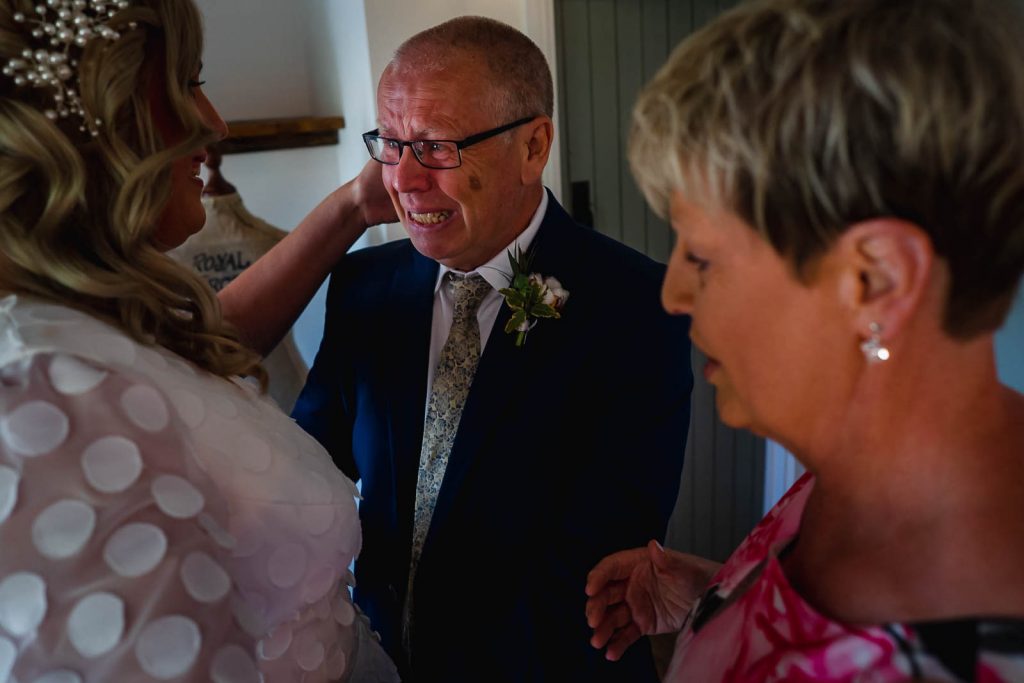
159,517
846,187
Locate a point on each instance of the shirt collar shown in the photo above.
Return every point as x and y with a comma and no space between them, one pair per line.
496,271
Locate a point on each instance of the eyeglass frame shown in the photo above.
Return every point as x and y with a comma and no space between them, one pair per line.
459,144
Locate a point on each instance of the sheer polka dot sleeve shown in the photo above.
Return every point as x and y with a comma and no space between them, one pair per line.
113,565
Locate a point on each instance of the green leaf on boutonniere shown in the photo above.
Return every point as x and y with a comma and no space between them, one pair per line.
517,319
527,293
514,299
543,311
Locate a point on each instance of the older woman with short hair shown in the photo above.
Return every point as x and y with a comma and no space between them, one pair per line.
846,183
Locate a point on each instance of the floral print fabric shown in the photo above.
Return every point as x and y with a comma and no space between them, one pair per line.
752,626
452,380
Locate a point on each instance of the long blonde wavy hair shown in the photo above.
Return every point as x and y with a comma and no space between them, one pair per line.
78,213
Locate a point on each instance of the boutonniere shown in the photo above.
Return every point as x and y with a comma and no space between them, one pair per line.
531,296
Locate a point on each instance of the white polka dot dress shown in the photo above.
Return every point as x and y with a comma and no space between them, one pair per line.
158,523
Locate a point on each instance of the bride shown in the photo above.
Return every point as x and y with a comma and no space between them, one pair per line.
160,518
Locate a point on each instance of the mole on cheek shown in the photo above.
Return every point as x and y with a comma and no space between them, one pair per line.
474,183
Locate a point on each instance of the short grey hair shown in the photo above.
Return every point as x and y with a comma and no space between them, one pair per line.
807,116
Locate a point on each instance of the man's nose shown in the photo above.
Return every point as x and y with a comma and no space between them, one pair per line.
409,175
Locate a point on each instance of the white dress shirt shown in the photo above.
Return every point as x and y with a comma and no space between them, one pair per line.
496,272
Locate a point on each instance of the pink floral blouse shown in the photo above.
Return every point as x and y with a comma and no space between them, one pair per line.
751,625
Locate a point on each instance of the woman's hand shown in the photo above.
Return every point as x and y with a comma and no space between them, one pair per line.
642,592
372,197
264,301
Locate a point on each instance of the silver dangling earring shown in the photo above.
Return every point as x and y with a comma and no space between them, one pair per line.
872,348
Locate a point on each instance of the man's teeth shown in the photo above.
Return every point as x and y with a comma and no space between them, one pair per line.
429,218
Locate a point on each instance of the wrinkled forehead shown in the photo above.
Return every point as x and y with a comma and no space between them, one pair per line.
451,97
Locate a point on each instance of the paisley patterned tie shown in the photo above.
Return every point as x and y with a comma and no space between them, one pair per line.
452,379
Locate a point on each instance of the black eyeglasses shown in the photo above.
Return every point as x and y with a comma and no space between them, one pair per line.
430,153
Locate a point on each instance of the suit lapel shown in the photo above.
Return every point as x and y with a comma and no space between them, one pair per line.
411,299
505,373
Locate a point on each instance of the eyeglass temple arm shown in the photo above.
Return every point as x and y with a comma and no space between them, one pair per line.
480,137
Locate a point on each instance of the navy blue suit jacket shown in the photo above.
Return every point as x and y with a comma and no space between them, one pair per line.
569,448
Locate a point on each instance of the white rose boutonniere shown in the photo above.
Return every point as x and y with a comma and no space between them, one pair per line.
531,296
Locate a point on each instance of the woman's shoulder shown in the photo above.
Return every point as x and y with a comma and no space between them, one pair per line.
30,326
114,562
768,538
238,437
770,627
111,429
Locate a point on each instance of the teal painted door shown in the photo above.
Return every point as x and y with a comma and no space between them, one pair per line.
607,50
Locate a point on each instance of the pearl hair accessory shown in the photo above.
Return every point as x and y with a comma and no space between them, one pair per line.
63,25
872,348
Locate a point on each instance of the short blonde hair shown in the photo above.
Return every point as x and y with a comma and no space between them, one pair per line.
807,116
78,214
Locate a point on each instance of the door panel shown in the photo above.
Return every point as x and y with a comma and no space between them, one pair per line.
608,49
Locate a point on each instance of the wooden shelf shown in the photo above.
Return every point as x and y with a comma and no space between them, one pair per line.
265,134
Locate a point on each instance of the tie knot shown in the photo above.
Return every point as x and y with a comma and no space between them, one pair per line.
467,292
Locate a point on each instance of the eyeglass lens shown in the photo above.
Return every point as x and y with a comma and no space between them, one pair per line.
438,154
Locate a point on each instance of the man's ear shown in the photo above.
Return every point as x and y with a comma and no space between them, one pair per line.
537,148
887,265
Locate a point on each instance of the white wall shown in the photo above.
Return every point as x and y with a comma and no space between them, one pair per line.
269,59
392,21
